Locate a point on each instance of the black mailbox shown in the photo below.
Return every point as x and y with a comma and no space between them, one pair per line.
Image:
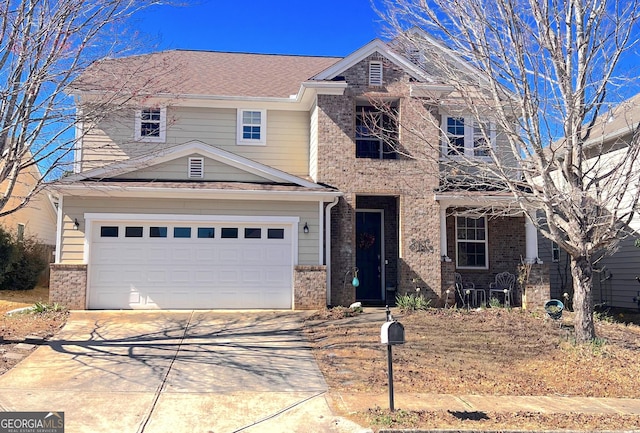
392,333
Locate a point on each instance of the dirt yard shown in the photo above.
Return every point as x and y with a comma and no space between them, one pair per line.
486,352
14,328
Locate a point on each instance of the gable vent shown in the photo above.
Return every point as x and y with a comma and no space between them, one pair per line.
375,73
196,168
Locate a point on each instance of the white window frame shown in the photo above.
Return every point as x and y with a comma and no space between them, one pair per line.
475,241
470,136
240,126
161,138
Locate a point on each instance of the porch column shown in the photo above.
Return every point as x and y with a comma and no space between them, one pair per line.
443,233
531,236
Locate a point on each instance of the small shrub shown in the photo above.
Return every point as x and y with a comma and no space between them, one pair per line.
22,260
412,302
494,303
43,307
6,253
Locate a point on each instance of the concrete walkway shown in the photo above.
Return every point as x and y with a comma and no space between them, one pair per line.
176,372
486,403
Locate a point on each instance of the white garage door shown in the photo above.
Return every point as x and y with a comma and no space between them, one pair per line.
150,265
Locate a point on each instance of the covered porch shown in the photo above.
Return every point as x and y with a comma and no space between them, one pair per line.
481,237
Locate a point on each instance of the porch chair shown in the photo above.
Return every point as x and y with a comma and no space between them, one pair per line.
503,284
463,287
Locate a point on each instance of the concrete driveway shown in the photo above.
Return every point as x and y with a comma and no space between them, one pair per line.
187,371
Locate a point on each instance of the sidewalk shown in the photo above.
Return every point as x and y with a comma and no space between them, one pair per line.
486,403
346,403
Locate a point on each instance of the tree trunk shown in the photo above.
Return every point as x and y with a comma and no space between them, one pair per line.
582,273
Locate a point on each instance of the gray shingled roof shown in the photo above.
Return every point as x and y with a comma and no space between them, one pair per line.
181,72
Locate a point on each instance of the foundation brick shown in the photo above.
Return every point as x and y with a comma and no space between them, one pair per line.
68,285
310,287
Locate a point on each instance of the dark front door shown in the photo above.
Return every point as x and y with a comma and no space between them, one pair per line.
369,255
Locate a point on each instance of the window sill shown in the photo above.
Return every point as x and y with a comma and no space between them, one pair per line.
465,158
150,140
251,143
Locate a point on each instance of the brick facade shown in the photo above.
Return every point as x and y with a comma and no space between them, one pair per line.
409,180
68,285
506,246
310,287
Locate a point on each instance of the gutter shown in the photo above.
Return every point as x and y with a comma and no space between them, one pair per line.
327,241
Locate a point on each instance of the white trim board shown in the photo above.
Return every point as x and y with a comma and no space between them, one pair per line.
187,149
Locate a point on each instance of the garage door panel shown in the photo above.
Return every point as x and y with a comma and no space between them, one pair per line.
181,254
205,254
147,273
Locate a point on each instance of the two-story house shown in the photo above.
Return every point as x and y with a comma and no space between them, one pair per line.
271,181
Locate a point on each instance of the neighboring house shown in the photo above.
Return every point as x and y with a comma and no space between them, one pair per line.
615,283
36,219
257,181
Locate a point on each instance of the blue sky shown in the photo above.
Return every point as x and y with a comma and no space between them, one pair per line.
325,27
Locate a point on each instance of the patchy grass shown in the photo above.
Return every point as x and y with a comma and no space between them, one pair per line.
484,352
12,299
43,321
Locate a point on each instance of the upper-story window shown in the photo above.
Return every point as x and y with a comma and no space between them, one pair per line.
463,136
252,126
151,124
376,132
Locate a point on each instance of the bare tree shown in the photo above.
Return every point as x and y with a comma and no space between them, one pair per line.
544,77
45,46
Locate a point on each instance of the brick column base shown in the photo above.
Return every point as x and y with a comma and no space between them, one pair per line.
310,287
537,290
68,286
448,279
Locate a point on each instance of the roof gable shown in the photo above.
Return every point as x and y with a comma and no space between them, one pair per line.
121,168
179,169
375,46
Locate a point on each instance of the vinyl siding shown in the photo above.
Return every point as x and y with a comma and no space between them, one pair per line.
38,216
177,170
287,135
75,207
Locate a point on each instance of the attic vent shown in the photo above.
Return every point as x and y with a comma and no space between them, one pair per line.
196,168
375,73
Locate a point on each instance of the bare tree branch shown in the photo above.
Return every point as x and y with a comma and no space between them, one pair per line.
546,76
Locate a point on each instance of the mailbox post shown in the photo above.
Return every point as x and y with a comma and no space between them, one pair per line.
391,333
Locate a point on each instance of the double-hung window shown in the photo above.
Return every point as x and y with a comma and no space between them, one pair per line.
471,242
151,125
252,127
376,132
464,136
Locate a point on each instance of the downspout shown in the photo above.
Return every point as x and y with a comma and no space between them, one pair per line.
59,228
327,241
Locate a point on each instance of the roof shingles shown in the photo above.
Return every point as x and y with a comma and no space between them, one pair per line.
207,73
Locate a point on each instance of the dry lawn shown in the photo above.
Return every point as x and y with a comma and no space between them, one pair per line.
14,328
486,352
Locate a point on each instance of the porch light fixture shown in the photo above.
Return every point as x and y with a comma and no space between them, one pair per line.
76,224
305,228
